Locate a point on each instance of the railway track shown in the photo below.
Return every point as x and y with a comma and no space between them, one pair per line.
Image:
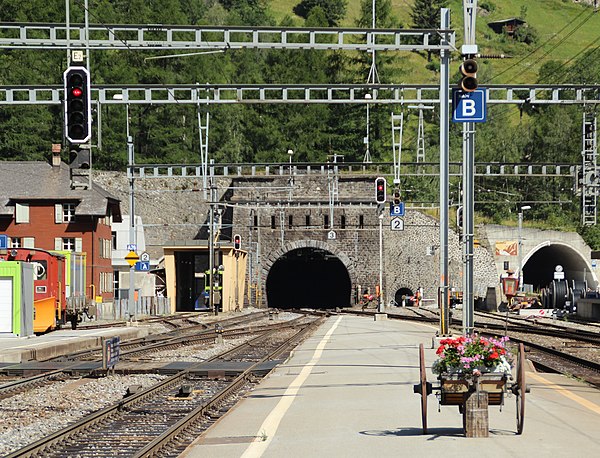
550,347
205,336
152,419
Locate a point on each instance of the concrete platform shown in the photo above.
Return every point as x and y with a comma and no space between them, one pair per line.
348,392
61,342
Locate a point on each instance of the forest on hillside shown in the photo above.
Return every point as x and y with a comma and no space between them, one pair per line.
264,133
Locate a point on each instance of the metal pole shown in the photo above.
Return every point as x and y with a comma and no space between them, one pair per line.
130,155
237,299
211,250
444,174
379,303
68,31
520,247
468,225
87,35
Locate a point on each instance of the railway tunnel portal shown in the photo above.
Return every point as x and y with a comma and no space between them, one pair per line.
540,264
308,277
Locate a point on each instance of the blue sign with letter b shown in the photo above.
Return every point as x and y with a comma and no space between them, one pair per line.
469,106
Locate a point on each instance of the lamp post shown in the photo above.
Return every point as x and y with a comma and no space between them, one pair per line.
520,245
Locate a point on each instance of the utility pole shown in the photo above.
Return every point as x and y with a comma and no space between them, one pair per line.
470,51
444,175
211,249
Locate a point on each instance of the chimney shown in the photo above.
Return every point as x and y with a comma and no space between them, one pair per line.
56,147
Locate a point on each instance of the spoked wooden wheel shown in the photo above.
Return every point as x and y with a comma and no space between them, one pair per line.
423,379
521,389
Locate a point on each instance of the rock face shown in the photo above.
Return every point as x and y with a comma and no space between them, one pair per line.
276,214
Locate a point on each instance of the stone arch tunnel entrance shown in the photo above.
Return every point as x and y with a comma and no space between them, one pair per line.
539,266
308,278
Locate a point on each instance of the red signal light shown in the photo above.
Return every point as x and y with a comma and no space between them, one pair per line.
77,92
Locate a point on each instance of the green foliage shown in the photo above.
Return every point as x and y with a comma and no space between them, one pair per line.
334,10
591,236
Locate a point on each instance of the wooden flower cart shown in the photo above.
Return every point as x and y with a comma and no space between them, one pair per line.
473,394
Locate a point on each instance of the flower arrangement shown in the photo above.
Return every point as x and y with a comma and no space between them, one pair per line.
472,355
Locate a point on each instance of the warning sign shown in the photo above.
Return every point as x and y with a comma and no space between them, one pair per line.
131,258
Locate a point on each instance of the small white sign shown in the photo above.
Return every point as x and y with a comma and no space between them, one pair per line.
145,257
397,224
132,247
77,56
331,235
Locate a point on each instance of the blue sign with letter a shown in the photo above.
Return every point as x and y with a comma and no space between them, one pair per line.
3,242
469,106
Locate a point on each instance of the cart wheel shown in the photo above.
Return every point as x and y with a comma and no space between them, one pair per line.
424,392
521,388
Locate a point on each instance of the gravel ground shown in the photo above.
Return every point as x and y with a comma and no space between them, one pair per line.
27,417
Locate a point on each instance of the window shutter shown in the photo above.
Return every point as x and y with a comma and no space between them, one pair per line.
78,245
28,242
58,213
21,213
58,243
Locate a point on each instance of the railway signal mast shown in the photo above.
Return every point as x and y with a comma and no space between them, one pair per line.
469,84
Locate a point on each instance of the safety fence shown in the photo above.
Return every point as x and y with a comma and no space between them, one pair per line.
144,306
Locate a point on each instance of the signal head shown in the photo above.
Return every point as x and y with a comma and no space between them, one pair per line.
78,115
468,70
380,190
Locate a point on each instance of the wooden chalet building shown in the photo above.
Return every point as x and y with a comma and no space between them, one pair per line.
39,209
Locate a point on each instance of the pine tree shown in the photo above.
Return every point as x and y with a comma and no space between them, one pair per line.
426,15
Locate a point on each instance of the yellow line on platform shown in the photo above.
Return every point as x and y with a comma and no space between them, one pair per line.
568,394
269,427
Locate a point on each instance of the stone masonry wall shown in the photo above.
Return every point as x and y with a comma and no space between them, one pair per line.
174,209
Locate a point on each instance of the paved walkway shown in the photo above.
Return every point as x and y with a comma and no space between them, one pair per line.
348,392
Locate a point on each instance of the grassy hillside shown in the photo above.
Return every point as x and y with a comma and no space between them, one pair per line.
563,28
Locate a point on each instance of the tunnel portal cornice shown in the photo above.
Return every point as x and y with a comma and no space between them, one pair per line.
307,243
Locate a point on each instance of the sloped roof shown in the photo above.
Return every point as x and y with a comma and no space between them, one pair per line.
506,21
38,180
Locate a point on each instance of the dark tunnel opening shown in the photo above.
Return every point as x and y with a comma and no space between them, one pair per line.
539,269
308,278
403,297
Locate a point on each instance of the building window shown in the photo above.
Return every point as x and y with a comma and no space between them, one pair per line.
114,240
106,246
15,242
68,213
343,221
21,213
272,221
361,222
307,221
290,221
325,221
68,244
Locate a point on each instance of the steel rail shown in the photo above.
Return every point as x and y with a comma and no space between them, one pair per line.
107,412
169,435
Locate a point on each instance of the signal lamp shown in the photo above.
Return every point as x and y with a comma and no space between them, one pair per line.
78,115
380,190
468,70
